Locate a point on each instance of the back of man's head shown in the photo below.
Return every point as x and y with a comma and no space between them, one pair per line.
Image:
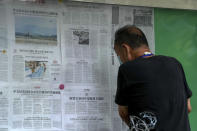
130,35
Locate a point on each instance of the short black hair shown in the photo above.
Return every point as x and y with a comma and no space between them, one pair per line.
131,35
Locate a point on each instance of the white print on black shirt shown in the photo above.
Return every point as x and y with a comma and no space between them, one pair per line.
146,121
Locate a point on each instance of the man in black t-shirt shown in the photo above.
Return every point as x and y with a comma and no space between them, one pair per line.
152,92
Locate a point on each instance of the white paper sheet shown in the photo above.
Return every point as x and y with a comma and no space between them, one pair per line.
35,108
86,109
36,44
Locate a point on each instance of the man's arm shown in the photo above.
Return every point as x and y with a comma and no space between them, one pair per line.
187,90
189,107
123,112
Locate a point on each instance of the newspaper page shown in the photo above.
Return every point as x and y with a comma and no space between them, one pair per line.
86,110
124,15
86,46
35,108
36,45
4,108
141,17
4,49
86,42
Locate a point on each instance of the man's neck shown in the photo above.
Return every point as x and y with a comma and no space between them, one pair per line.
140,51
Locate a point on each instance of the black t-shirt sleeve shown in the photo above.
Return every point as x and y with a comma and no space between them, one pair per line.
187,89
120,97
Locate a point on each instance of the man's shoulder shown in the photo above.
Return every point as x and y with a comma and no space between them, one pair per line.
168,59
150,59
144,62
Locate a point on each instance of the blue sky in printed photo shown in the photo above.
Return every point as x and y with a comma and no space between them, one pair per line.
35,25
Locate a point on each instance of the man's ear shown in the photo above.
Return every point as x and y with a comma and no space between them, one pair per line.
127,51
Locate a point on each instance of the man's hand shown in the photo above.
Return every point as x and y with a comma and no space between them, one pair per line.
123,112
189,107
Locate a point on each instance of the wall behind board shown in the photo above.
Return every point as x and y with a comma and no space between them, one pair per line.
176,35
178,4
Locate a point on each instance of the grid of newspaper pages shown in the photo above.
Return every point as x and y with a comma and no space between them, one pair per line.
58,69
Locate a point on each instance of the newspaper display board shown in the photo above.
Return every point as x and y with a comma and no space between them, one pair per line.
124,15
58,68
